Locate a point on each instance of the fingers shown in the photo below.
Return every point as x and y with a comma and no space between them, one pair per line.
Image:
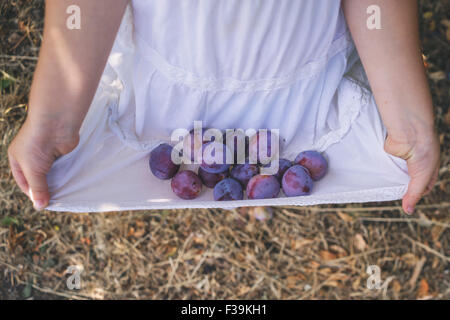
416,189
38,188
33,184
18,175
418,186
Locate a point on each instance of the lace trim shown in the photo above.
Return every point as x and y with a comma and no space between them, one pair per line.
178,75
359,100
369,195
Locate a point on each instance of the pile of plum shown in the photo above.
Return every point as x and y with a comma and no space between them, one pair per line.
296,177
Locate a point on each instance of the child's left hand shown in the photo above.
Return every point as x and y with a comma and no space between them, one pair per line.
421,152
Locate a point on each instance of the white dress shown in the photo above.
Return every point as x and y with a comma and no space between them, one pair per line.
277,64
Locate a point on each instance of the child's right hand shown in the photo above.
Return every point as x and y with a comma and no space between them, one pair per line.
32,153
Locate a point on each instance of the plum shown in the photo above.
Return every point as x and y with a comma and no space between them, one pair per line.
192,144
283,165
263,187
186,185
296,181
161,164
244,172
214,158
211,179
314,162
228,189
262,151
233,140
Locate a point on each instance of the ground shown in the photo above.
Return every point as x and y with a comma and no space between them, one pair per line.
319,252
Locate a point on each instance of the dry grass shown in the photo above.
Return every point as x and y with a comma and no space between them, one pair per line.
311,253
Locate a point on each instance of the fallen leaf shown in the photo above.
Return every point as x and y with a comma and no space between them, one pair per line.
240,256
139,232
428,15
447,118
299,243
437,76
409,258
130,232
340,252
356,283
423,289
345,217
291,281
327,255
171,251
435,263
432,26
261,213
331,283
436,232
325,271
199,240
243,290
446,23
396,286
359,242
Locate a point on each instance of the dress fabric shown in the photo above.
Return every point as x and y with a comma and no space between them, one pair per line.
274,64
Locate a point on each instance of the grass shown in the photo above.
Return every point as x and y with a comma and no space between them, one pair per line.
317,252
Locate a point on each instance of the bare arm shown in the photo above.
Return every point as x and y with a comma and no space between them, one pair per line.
393,62
67,74
72,61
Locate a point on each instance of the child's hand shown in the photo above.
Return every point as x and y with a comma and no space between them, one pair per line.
392,58
67,74
32,153
421,152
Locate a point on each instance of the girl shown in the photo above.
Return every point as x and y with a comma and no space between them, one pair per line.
227,60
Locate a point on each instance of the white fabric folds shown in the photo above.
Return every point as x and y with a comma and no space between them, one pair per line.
273,64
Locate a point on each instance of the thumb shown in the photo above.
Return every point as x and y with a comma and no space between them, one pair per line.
416,189
38,188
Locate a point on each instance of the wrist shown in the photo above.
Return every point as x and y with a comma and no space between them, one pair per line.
57,128
410,129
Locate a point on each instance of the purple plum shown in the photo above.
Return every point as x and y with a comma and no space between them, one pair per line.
160,162
283,165
314,162
244,172
228,189
232,142
211,151
192,144
186,185
263,187
296,181
211,179
263,152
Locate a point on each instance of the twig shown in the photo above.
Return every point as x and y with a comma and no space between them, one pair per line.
6,56
418,268
441,224
356,255
61,294
368,209
427,248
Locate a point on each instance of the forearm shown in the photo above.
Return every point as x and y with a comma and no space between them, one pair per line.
393,62
71,61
